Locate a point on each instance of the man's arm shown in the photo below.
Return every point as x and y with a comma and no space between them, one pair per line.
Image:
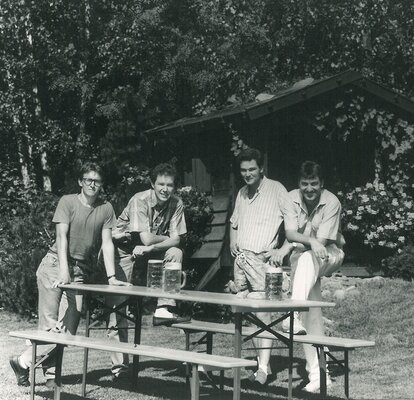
108,251
62,230
317,245
163,245
234,248
148,238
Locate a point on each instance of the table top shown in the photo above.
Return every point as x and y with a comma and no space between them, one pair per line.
228,299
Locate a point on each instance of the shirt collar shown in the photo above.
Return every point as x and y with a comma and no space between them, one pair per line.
298,199
263,183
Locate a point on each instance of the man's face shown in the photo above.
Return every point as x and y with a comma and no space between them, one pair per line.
311,189
251,172
91,183
163,188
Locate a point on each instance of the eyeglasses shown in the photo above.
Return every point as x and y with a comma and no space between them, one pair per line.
89,181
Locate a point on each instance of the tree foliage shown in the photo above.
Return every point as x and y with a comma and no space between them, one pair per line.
85,79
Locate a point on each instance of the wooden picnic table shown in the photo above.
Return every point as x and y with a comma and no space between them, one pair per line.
241,308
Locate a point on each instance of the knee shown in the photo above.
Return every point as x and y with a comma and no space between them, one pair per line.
305,260
174,254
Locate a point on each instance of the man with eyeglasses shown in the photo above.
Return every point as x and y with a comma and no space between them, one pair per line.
83,226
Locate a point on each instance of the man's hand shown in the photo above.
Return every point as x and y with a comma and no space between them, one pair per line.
63,279
234,249
141,250
116,282
276,256
318,249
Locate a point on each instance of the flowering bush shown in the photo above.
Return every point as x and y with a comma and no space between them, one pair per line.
375,216
400,265
198,215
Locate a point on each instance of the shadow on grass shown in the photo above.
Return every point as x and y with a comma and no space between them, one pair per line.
168,382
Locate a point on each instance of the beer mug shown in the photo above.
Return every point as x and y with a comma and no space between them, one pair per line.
274,283
171,282
154,274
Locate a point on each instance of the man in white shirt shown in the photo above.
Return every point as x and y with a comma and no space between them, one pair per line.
254,228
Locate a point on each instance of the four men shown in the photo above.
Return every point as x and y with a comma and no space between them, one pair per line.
151,226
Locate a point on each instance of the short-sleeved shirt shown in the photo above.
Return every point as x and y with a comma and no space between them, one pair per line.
85,225
322,223
258,219
144,214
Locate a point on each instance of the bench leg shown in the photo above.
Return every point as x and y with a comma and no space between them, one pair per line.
187,347
137,340
195,383
237,354
290,369
86,351
322,370
33,371
58,373
346,380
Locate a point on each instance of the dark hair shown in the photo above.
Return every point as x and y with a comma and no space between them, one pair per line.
88,167
163,169
250,154
309,170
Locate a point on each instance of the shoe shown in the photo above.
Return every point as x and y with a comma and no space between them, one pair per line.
22,374
259,376
298,328
175,319
121,377
314,386
50,383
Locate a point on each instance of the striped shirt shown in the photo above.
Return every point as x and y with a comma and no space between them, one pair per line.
258,219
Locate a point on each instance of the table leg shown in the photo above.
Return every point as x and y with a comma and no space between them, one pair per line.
290,368
322,371
137,340
58,371
86,351
237,353
33,370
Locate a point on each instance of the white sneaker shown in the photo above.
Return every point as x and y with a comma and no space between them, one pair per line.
298,328
314,386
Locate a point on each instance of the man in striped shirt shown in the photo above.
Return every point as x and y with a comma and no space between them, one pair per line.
260,208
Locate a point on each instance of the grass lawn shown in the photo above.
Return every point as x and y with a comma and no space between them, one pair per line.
384,313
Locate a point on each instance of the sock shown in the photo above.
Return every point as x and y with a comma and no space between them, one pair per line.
22,363
162,312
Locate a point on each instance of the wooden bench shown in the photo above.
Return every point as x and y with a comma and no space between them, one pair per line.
191,358
334,344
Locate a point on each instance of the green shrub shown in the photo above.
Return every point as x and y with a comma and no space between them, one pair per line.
400,265
25,236
378,217
198,213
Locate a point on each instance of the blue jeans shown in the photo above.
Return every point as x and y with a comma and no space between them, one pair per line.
58,310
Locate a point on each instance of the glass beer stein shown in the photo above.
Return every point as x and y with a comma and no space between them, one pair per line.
171,282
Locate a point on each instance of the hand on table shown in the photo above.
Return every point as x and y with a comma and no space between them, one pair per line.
116,282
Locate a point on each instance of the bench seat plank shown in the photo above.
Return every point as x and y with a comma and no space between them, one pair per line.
142,350
330,341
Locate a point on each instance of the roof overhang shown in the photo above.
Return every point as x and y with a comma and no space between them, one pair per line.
284,99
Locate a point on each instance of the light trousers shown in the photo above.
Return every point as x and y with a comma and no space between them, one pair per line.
307,269
58,310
